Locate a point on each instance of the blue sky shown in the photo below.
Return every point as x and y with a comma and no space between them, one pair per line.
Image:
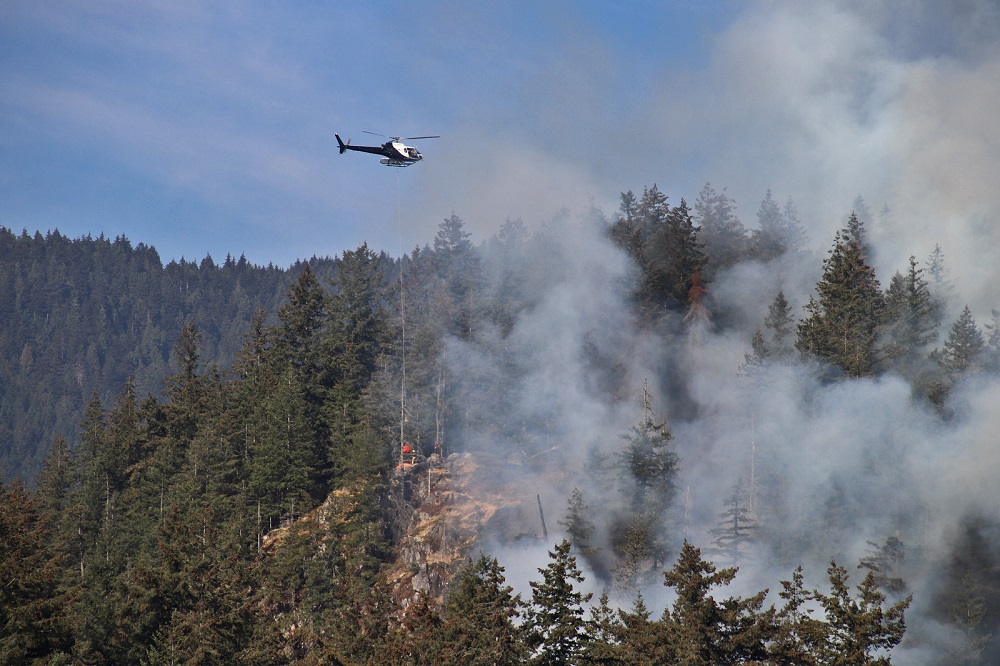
207,128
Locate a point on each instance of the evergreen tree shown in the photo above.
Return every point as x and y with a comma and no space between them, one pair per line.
481,611
720,230
842,323
579,528
705,631
910,324
737,527
648,470
794,236
968,610
28,608
991,352
940,286
962,350
458,266
798,635
885,562
756,362
558,631
859,630
857,226
354,337
768,240
626,232
779,322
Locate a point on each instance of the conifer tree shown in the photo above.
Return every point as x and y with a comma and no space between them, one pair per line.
794,236
353,343
859,630
942,289
756,362
481,613
737,527
720,230
558,631
705,631
626,231
857,226
991,352
779,322
27,581
768,239
910,323
961,352
458,266
842,323
885,562
798,636
648,470
579,528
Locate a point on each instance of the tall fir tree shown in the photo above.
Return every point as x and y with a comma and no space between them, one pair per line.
558,630
779,322
842,325
724,237
481,613
909,321
961,352
860,630
705,631
352,344
768,239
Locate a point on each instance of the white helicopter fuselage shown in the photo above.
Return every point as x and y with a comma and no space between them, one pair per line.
394,152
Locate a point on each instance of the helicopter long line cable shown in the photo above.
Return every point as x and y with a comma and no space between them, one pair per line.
402,322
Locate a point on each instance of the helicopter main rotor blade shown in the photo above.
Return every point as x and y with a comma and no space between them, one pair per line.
377,134
410,138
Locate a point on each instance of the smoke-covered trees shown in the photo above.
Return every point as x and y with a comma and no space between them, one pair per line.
910,323
720,230
961,351
664,242
858,629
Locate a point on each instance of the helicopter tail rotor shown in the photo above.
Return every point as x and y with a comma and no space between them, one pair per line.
343,146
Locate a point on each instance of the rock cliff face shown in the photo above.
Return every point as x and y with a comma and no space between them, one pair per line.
448,507
443,510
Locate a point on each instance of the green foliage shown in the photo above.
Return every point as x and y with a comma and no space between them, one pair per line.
859,630
557,628
664,242
842,325
481,614
579,528
241,516
29,626
961,351
706,631
84,315
779,322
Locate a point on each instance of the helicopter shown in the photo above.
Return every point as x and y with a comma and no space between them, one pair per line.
396,153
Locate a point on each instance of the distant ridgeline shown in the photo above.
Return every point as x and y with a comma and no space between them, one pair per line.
84,315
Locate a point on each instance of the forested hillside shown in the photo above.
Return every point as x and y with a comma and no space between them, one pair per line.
747,453
81,316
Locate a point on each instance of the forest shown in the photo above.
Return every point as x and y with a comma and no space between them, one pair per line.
755,454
